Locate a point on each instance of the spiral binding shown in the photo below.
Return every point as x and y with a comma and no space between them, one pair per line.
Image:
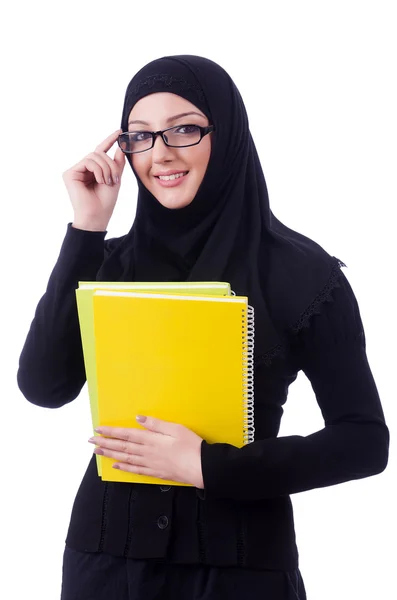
248,374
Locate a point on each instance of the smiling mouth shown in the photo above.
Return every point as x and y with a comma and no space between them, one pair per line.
172,177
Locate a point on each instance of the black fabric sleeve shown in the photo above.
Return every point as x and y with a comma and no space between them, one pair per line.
355,440
51,368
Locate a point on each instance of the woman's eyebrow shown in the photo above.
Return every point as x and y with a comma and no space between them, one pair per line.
169,120
186,114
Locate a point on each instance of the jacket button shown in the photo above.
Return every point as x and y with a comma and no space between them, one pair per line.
162,522
165,488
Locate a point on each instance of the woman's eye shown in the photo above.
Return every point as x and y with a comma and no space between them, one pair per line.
187,129
140,136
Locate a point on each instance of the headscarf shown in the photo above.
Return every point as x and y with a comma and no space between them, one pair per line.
228,232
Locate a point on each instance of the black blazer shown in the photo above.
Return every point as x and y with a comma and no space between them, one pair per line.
244,515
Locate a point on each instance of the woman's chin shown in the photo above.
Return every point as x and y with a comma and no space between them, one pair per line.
173,203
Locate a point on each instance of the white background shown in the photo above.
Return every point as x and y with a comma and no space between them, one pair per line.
319,83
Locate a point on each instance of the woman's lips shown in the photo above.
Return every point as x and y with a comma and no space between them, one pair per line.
171,182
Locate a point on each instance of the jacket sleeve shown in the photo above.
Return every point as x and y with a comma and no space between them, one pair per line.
355,439
51,368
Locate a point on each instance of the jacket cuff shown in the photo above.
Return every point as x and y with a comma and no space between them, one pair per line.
80,246
216,460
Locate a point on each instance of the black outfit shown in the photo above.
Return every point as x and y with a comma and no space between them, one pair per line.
306,318
244,516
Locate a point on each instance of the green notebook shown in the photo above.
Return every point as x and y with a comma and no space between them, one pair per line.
84,298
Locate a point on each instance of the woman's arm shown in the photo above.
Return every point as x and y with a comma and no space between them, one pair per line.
355,440
51,367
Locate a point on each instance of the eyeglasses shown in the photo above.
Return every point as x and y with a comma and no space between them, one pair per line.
182,136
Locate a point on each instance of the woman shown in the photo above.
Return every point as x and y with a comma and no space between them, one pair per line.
203,214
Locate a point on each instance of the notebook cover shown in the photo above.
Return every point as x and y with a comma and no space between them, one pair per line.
84,296
174,357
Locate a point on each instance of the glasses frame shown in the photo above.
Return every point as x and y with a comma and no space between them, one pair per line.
203,132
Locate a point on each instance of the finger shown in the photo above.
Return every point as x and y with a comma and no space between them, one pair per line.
119,159
138,470
93,164
79,170
160,426
127,458
105,164
115,167
93,167
108,142
117,445
137,436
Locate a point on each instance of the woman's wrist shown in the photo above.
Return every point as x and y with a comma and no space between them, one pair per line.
89,226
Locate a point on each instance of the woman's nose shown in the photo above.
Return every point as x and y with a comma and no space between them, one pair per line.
161,151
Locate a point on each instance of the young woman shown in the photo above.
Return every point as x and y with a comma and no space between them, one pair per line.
203,214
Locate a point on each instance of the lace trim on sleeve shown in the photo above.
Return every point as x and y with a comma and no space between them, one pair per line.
266,359
323,296
304,320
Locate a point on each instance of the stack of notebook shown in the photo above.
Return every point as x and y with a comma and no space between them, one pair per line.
182,352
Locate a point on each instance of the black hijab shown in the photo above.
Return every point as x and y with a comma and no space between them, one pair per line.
228,233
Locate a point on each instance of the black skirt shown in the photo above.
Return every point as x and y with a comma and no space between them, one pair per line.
99,576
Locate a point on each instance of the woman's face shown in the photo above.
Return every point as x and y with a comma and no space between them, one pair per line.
157,112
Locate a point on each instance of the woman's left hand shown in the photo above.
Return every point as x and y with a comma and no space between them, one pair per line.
164,450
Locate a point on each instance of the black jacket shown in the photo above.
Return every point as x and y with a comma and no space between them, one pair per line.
244,515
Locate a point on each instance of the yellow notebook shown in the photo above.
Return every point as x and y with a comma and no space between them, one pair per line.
182,358
84,296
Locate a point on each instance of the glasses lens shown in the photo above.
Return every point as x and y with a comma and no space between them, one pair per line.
135,141
183,135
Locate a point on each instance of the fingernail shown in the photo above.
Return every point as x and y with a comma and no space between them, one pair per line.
98,451
115,467
98,430
92,440
140,419
110,181
117,179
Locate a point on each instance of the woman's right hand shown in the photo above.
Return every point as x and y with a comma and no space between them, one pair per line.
92,195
